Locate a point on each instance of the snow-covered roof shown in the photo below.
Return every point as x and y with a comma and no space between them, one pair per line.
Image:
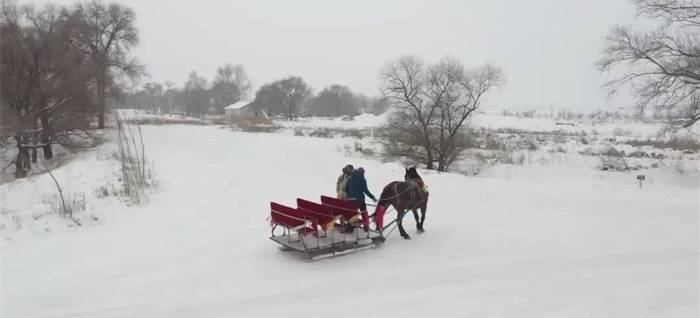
238,104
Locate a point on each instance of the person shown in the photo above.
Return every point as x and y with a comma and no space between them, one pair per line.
342,181
356,189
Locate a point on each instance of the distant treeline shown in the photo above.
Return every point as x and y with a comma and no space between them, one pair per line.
288,97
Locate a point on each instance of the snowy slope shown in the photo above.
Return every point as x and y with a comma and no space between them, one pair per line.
551,241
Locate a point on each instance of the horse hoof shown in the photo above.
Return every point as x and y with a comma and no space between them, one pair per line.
406,237
421,230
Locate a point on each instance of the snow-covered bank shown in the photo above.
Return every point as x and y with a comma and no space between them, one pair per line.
562,242
29,206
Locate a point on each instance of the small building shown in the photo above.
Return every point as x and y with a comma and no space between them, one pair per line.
240,109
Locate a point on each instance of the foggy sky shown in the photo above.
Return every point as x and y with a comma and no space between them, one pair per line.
547,48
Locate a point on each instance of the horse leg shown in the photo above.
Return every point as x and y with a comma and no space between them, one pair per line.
423,210
401,230
415,216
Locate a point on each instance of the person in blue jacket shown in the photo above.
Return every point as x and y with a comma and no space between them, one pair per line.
356,189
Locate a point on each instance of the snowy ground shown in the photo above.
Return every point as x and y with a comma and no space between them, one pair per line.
619,127
559,240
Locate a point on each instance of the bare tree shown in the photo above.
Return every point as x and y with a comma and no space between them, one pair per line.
662,66
295,91
270,99
334,100
154,93
195,95
230,85
433,102
108,32
44,79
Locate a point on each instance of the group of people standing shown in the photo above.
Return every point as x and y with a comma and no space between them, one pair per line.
352,185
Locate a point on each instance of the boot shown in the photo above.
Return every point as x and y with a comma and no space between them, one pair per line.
365,221
379,217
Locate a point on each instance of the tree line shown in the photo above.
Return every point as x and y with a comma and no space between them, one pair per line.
288,98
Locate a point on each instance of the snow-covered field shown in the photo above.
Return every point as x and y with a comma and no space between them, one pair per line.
358,122
620,127
556,240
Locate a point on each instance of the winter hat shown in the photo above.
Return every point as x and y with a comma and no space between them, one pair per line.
347,168
361,170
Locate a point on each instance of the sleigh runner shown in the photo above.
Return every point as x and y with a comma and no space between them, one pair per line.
314,229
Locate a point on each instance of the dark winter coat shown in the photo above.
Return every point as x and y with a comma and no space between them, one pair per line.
356,187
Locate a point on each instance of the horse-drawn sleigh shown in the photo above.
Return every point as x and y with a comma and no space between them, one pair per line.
333,225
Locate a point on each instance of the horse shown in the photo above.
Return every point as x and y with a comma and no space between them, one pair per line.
406,195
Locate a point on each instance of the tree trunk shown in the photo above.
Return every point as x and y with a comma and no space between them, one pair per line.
22,164
101,101
47,136
429,164
429,151
442,166
35,139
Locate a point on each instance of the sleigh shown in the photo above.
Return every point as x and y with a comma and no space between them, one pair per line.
320,229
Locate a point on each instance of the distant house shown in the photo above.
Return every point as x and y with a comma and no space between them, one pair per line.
239,109
244,108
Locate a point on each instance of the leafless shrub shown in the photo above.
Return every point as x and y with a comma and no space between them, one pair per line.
64,207
163,120
322,132
608,163
367,151
221,120
492,158
531,145
622,132
612,152
560,149
131,153
353,133
493,143
253,124
687,143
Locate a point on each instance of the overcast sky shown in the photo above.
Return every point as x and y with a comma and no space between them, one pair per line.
547,48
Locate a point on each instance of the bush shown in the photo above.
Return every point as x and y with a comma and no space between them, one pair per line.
530,145
612,152
322,133
245,122
494,144
352,133
613,164
687,144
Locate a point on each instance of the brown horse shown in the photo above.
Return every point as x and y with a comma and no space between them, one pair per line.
404,196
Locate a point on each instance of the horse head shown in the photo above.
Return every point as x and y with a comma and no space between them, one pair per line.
411,173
